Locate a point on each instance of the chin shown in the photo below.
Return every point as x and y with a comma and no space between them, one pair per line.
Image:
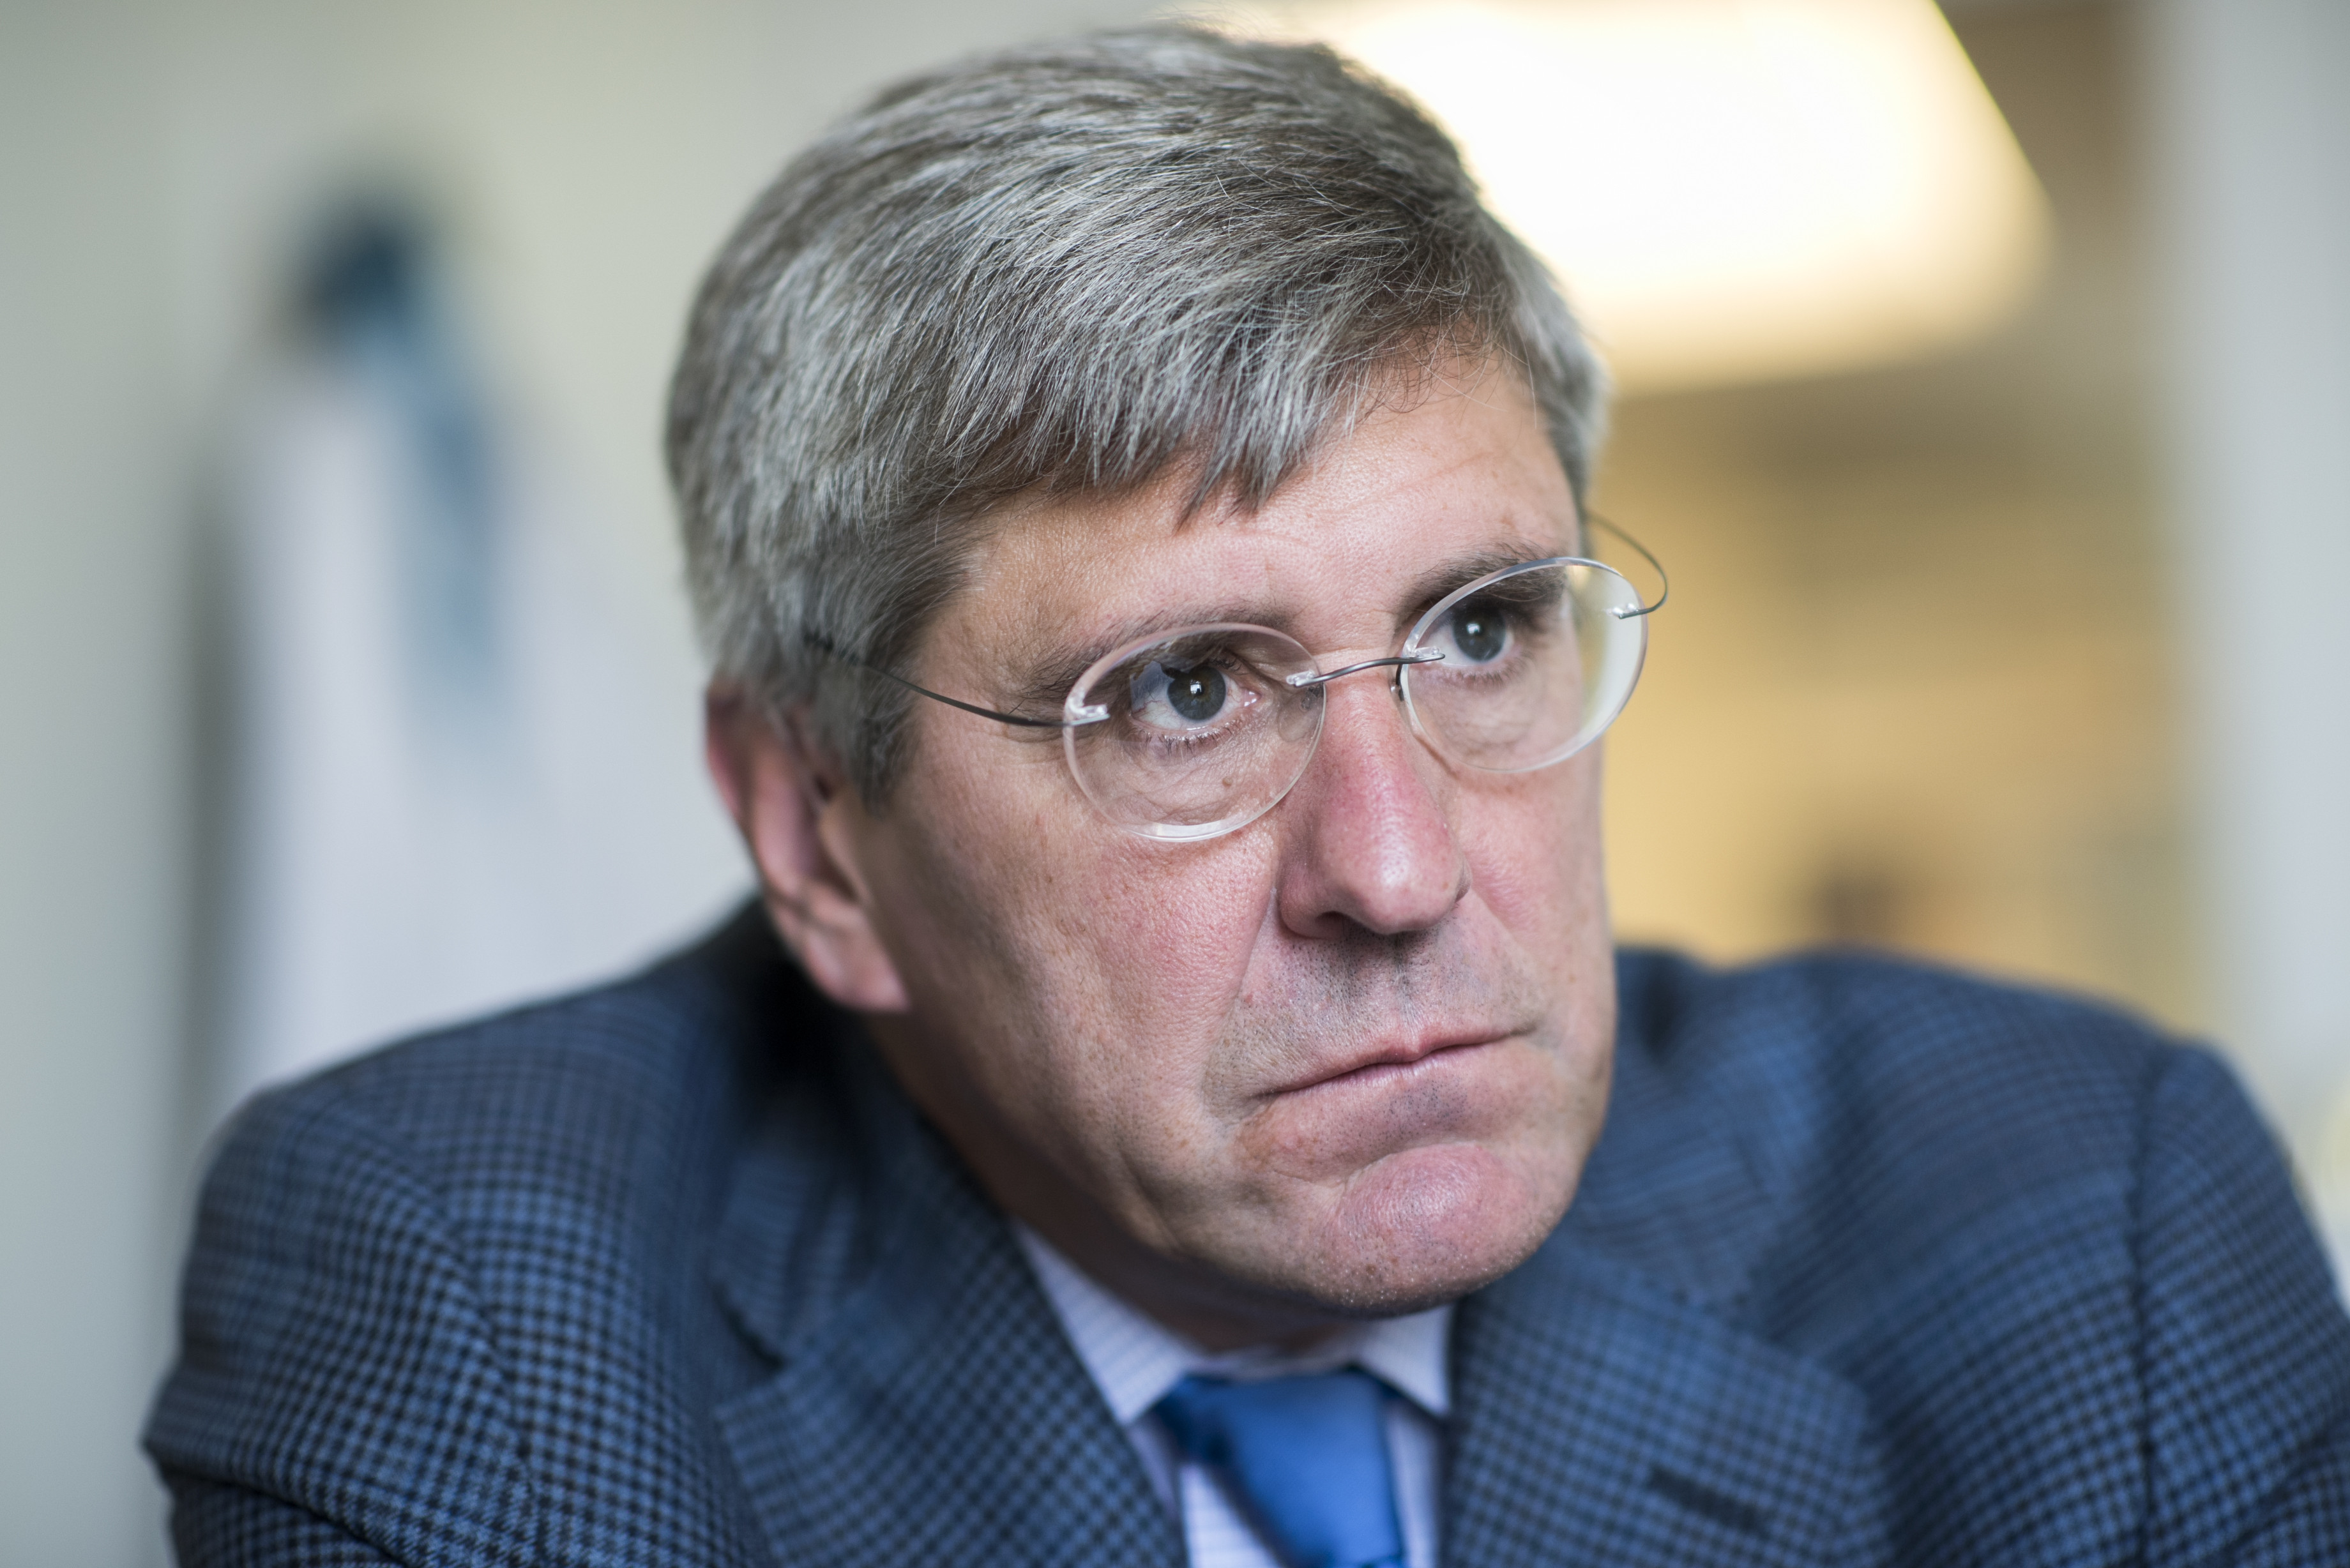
1429,1225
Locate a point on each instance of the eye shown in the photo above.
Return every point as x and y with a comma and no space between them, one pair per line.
1480,632
1196,694
1170,695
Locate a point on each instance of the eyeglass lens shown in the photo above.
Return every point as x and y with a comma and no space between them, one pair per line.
1199,732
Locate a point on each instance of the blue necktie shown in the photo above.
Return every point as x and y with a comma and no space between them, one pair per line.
1307,1455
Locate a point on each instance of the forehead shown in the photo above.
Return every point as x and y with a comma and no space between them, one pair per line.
1356,539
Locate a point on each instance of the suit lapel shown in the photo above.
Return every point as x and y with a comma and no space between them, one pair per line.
1601,1419
1606,1408
933,1412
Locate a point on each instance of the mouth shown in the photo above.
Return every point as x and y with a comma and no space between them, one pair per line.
1394,1063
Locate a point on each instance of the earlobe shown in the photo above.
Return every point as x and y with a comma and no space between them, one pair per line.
793,810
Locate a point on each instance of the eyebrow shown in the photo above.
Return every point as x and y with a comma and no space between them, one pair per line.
1059,667
1460,572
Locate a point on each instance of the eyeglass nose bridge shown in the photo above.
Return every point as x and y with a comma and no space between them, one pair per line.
1305,679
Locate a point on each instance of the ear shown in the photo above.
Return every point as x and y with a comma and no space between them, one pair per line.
794,810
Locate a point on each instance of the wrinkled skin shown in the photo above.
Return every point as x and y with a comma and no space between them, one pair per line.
1348,1060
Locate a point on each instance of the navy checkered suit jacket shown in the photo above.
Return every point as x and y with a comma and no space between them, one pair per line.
1873,1264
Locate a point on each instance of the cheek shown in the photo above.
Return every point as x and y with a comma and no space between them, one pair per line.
1101,969
1152,954
1168,930
1533,844
1083,911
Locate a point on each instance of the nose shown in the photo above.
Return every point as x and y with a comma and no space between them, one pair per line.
1370,844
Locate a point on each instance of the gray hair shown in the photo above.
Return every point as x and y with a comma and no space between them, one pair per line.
1059,269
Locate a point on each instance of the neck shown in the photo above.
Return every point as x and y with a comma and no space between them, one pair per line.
1214,1320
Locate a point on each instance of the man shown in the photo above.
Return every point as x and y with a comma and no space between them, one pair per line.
1132,495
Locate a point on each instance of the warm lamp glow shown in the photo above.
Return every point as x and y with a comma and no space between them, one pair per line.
1731,190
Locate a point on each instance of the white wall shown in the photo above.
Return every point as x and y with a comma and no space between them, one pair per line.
2249,104
92,630
155,159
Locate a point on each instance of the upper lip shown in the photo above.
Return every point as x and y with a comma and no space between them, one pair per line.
1394,1053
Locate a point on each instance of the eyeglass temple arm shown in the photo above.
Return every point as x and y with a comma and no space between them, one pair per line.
1665,590
824,646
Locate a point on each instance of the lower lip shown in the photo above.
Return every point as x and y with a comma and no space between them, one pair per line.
1378,1074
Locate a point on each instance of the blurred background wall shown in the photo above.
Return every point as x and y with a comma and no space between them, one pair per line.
2027,651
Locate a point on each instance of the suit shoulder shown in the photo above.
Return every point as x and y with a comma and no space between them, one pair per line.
1845,1126
657,1058
2055,1251
432,1292
1865,1046
597,1135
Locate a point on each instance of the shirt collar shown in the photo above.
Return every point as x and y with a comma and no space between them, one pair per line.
1135,1359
